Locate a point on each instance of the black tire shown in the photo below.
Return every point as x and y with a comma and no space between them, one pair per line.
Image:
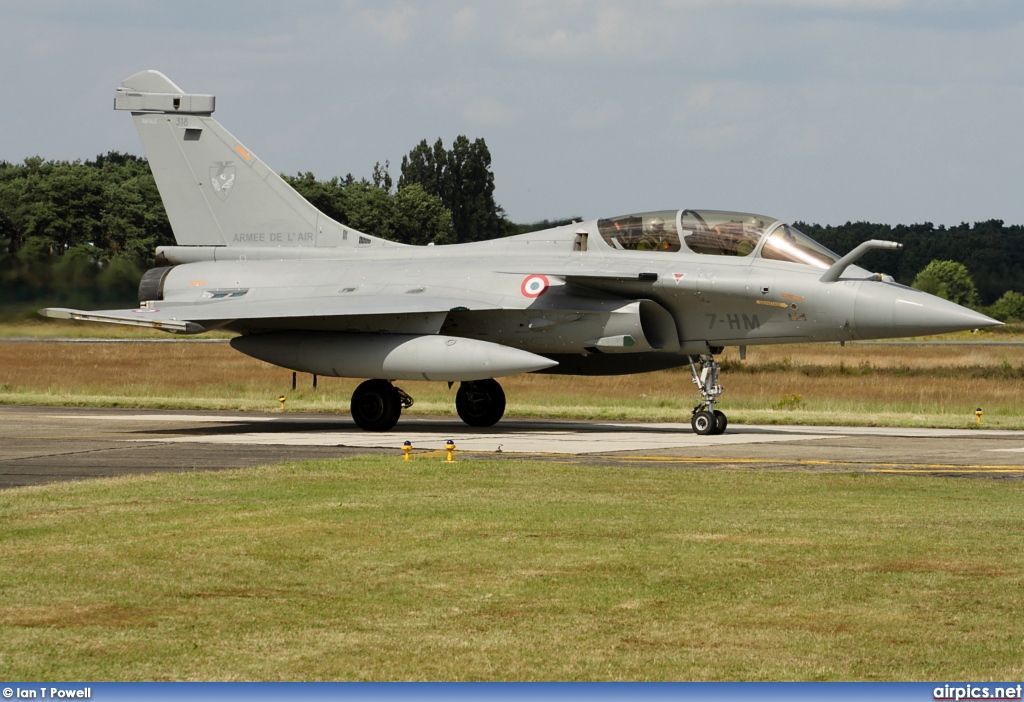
703,423
721,422
376,405
480,403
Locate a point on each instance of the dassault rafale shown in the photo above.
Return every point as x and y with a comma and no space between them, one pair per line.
624,294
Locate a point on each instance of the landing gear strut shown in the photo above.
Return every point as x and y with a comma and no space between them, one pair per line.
480,403
706,419
377,405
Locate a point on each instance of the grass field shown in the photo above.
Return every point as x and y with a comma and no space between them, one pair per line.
377,569
372,568
935,385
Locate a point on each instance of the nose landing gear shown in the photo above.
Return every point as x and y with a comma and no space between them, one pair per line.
706,419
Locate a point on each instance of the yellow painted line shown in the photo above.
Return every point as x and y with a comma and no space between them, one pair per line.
813,462
474,452
866,466
75,437
949,470
688,459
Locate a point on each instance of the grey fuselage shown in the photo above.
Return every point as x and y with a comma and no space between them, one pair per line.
603,310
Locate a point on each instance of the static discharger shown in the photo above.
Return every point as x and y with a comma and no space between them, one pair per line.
450,448
407,450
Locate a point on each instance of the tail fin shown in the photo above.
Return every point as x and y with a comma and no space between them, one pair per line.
215,190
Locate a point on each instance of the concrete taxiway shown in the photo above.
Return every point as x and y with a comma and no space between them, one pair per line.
46,444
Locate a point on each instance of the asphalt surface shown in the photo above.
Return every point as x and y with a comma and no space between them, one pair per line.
46,444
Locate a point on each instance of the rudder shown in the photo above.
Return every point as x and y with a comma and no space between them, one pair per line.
215,190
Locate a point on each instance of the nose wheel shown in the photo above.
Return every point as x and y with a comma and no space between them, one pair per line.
706,420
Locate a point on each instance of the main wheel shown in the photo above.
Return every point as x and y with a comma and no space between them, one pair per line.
376,405
721,422
703,423
480,403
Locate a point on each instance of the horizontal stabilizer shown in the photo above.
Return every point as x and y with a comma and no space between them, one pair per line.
131,318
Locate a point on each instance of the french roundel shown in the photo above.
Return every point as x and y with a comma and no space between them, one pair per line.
534,285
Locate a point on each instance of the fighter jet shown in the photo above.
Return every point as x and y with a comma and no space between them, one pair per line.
623,294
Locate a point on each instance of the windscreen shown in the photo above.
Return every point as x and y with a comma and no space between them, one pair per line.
790,244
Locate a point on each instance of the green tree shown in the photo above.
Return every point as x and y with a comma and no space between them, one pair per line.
411,215
425,165
381,176
119,279
461,177
421,218
325,195
992,251
6,241
949,280
370,209
65,224
35,266
76,269
1008,308
133,221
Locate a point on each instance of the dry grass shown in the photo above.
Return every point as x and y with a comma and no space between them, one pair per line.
861,383
45,328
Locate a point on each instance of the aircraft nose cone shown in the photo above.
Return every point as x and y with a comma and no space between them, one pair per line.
885,311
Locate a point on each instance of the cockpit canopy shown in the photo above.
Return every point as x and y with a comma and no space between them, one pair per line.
788,243
715,233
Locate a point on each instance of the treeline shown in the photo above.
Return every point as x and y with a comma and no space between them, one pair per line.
991,251
443,196
82,233
78,233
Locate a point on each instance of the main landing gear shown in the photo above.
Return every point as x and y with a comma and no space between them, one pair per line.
480,403
377,404
706,419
